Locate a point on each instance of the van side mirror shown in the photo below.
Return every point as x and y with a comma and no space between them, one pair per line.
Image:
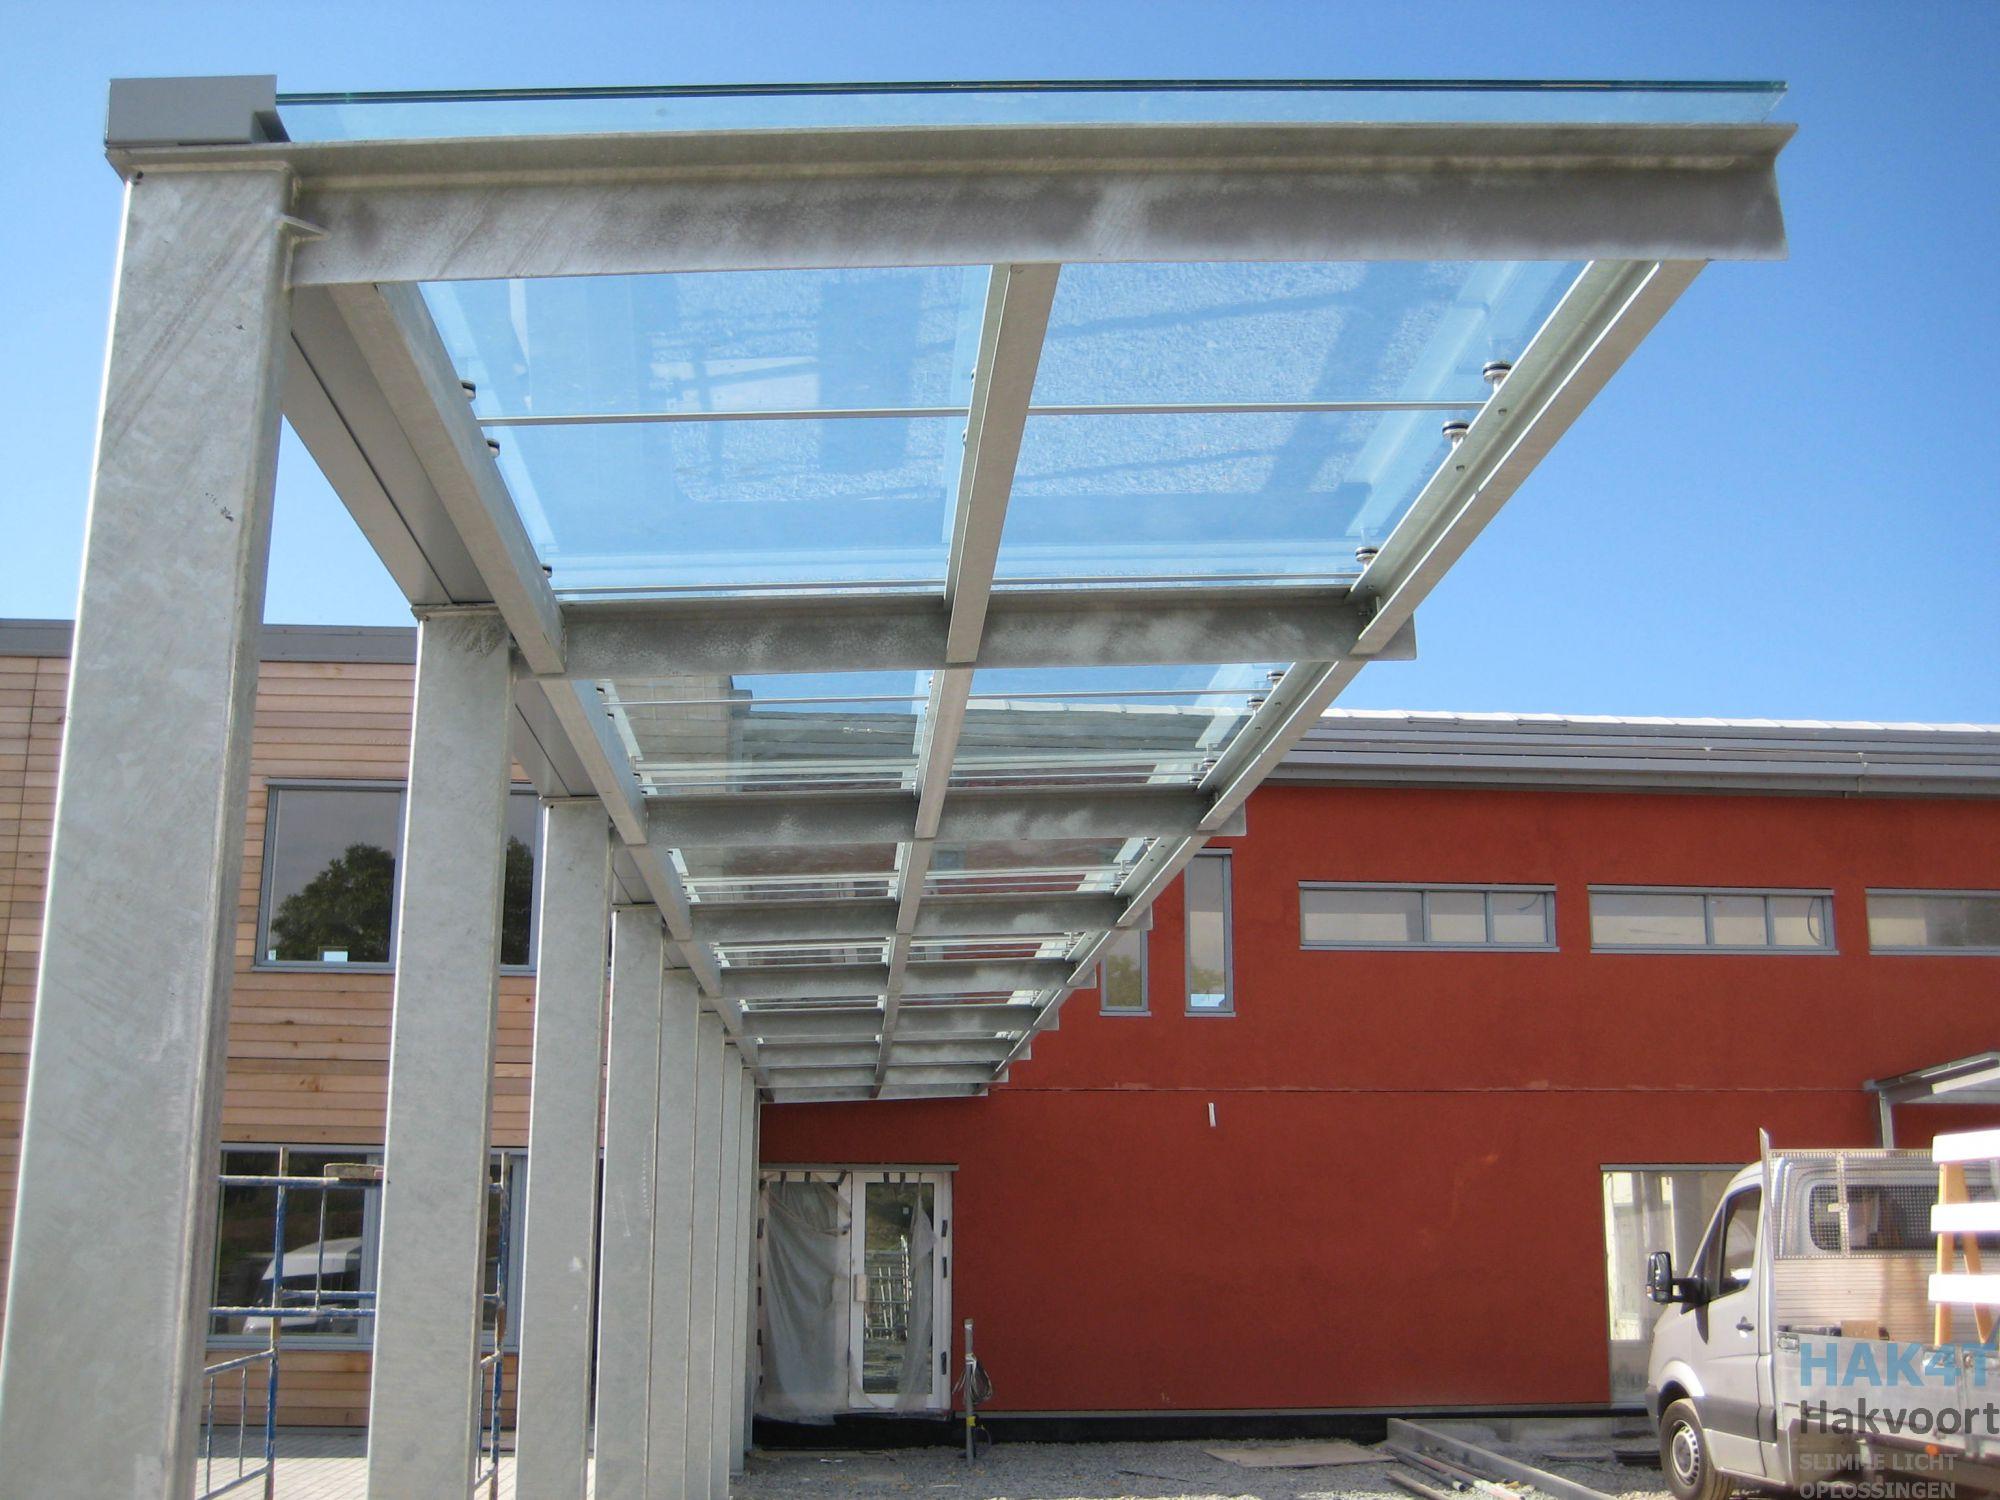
1661,1283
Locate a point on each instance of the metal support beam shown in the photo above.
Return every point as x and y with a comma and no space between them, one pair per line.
412,211
793,818
930,1022
423,1401
728,1276
673,1262
124,1091
625,1237
703,1221
552,1432
938,916
1106,626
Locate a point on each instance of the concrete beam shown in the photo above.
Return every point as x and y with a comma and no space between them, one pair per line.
124,1076
423,1403
558,1277
673,1253
423,210
625,1236
703,1223
728,1276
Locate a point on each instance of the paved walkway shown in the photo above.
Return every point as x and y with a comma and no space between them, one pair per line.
317,1465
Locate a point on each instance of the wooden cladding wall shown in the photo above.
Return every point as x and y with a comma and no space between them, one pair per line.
308,1050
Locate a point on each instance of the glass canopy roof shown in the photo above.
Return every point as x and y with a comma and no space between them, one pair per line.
935,616
433,114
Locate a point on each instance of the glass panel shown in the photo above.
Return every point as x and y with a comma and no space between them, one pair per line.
1052,866
1456,916
899,1222
1646,919
1366,917
809,872
1211,497
443,113
1644,1211
324,1246
1121,974
332,879
716,341
799,955
736,505
508,1173
1736,921
517,910
717,733
1934,920
1209,332
1208,987
1104,726
1521,917
1802,921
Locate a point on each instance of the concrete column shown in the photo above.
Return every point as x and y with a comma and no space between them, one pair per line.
728,1246
673,1180
625,1241
746,1238
552,1436
423,1401
710,1058
119,1156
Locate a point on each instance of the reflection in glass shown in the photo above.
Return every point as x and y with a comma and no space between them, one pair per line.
332,877
1648,1209
325,1246
899,1251
1121,974
517,907
1646,919
1934,919
1207,884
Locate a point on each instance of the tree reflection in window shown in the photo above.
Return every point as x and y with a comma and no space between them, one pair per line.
344,910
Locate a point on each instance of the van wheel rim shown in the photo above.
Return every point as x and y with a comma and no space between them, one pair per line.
1686,1454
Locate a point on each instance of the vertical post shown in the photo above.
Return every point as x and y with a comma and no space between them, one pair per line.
673,1194
552,1400
118,1162
755,1108
722,1393
625,1239
705,1211
423,1402
746,1266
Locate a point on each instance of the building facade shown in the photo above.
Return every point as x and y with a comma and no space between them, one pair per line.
1382,1111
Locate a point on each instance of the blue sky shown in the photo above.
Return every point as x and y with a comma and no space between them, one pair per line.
1780,508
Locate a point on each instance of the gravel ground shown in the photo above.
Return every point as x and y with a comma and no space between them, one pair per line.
1054,1471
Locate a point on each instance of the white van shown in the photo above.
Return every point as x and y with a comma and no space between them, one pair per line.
1799,1350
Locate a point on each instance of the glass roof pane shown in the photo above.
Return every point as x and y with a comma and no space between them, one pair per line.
1211,497
729,341
737,505
442,113
1332,331
717,733
1104,726
1052,866
819,872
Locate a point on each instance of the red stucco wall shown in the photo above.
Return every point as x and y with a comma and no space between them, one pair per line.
1399,1203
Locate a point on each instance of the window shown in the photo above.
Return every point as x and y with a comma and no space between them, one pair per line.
1730,1255
331,1244
1208,938
1437,916
1651,921
1121,974
1934,921
1648,1209
330,860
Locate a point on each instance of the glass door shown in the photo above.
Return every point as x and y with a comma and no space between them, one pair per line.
900,1264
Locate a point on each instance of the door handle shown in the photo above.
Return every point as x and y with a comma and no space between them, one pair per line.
1744,1325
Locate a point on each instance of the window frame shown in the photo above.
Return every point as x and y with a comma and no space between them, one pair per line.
1829,949
515,1159
1143,936
273,790
1898,951
1422,890
1228,1006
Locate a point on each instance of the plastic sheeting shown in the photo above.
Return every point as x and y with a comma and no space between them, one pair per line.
805,1303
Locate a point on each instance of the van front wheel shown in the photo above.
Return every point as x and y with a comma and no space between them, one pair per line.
1684,1456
